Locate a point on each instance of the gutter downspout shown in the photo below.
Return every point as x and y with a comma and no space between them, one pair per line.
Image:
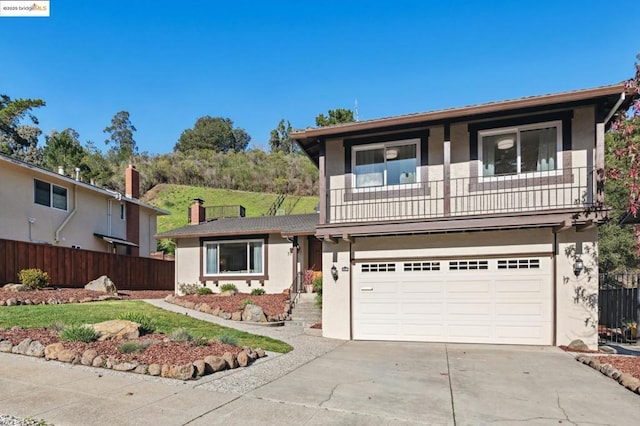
613,110
56,237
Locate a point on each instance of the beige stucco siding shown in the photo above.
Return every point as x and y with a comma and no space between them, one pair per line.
571,315
280,267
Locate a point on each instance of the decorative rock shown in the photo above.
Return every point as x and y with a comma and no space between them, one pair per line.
182,372
170,298
16,287
204,307
224,315
628,381
125,366
141,369
228,293
117,329
215,311
243,359
3,303
27,302
155,369
52,351
102,284
253,313
109,297
189,305
164,372
578,345
22,347
236,316
261,352
67,355
595,363
98,361
52,301
250,353
86,299
6,346
88,356
73,300
230,359
35,349
215,363
200,367
197,306
12,301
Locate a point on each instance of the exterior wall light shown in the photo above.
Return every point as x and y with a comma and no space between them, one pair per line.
334,273
578,266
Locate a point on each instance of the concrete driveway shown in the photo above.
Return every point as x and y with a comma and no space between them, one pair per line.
368,383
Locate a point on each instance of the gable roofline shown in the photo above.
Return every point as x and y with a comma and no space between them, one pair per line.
71,181
309,138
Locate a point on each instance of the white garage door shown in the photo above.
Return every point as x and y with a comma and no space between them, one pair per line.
505,300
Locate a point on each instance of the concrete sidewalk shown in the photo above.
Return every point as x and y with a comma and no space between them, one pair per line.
330,382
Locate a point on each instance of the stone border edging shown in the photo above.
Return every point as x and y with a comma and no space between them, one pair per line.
625,379
276,320
91,358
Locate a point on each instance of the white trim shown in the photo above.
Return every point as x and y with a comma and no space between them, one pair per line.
233,273
384,145
518,130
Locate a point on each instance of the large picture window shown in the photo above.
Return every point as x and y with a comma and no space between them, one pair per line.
49,195
234,257
393,163
523,149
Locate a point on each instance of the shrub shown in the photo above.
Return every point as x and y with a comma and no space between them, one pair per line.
147,326
228,339
317,286
131,347
200,341
245,302
186,288
79,333
258,291
57,326
228,287
33,278
180,335
204,290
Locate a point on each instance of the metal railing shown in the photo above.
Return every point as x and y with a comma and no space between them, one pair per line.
295,288
569,188
218,212
618,307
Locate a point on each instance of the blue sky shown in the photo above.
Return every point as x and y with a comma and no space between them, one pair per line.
169,62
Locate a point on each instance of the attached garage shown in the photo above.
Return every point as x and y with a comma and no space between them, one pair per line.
492,300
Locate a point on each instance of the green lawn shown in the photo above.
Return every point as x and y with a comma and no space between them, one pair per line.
177,198
39,316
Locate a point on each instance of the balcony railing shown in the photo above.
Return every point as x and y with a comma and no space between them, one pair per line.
219,212
557,189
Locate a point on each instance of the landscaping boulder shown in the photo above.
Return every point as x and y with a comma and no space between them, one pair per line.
155,369
230,359
21,348
578,345
102,284
228,293
236,316
214,363
6,346
12,301
88,356
243,359
253,313
35,349
201,367
52,351
67,355
117,329
16,287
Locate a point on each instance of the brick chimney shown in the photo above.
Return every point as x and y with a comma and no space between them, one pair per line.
132,182
197,211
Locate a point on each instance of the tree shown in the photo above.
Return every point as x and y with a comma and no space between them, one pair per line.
121,137
64,149
17,139
280,139
213,133
336,116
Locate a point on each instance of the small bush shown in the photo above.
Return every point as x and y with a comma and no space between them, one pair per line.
200,341
186,288
204,290
131,347
180,335
33,278
245,302
317,286
79,333
228,287
228,339
258,291
147,326
57,326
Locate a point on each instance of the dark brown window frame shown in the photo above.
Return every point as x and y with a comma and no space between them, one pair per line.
244,277
374,193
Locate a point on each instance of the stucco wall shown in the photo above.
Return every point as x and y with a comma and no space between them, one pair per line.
336,295
279,267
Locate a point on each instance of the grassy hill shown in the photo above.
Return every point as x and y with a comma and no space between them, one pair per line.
176,199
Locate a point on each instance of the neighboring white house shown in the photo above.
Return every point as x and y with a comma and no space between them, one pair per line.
466,224
51,208
268,251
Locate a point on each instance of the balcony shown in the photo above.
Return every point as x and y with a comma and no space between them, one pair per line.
469,196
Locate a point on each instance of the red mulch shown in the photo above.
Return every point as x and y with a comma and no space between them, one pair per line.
160,352
317,326
272,304
568,349
64,295
625,364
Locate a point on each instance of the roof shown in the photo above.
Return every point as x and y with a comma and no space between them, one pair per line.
288,225
71,181
308,138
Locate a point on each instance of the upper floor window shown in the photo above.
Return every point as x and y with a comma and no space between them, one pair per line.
234,257
521,149
50,195
392,163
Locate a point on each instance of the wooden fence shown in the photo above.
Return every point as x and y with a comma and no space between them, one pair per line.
68,267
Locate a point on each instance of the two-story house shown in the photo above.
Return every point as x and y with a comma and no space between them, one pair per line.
474,224
45,207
